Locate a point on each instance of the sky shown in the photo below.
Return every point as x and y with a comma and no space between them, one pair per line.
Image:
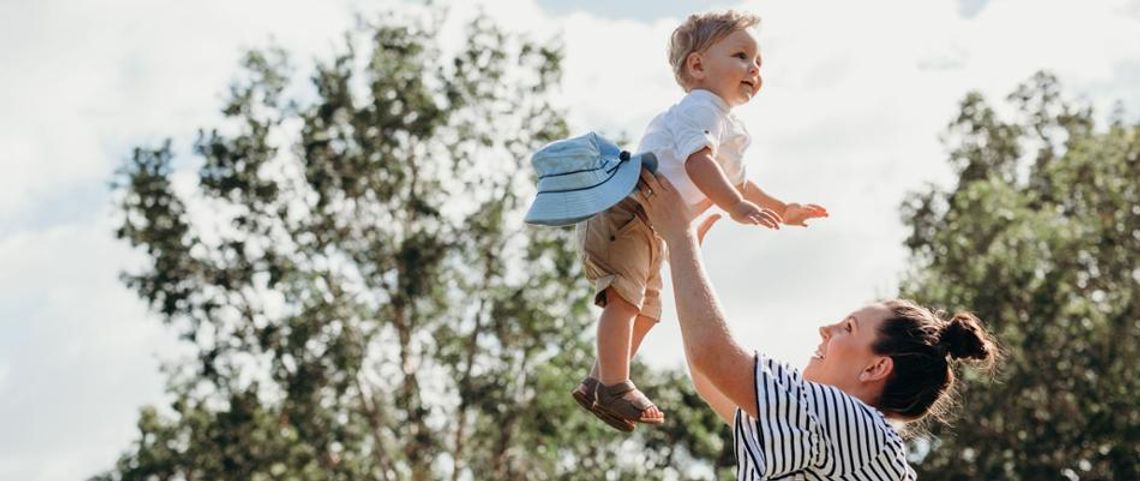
855,97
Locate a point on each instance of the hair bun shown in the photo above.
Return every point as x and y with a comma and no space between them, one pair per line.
964,338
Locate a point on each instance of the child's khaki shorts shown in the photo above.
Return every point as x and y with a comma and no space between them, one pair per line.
621,251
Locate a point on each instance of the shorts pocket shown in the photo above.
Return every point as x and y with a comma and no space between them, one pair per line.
633,223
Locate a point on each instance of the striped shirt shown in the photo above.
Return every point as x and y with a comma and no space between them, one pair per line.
809,431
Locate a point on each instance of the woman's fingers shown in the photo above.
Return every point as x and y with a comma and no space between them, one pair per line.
650,181
649,187
664,206
657,182
641,194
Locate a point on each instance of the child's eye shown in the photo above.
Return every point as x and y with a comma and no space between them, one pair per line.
847,326
741,56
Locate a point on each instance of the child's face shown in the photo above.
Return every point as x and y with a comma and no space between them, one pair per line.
729,68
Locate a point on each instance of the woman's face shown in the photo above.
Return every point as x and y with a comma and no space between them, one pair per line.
844,354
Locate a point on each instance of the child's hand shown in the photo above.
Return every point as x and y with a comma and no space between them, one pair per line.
797,214
746,212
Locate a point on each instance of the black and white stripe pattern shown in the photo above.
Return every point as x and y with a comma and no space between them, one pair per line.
809,431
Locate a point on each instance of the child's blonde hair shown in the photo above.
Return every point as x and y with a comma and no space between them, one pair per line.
699,32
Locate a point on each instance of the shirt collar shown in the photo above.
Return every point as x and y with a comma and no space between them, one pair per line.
714,98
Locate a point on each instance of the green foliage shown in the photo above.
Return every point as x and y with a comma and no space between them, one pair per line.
1040,238
363,302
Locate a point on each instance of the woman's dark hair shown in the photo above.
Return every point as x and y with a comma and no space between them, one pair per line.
924,346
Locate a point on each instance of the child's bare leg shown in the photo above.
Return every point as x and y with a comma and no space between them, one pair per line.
614,339
641,327
620,332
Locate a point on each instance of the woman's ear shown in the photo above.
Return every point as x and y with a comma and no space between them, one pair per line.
695,66
879,369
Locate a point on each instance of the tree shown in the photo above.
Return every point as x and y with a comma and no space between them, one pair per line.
352,274
1040,238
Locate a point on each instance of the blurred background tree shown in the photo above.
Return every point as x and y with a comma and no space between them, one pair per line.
350,270
1040,237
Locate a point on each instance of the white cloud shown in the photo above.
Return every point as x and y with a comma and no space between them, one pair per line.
98,77
78,352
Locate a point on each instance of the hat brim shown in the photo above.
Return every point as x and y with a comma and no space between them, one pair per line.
568,208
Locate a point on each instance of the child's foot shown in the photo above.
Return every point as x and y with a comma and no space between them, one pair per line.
584,395
625,401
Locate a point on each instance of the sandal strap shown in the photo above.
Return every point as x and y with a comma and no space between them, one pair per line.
588,386
615,390
624,392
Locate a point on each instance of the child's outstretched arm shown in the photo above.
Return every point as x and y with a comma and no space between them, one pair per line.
791,213
710,179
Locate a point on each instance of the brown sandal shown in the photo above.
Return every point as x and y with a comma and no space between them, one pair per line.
625,401
584,395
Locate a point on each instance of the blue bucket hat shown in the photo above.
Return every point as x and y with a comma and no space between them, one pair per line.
581,177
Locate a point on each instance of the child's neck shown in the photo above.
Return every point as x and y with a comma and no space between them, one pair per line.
720,100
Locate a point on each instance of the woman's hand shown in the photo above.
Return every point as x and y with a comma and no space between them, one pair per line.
650,187
668,214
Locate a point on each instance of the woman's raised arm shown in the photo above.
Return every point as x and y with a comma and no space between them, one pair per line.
709,347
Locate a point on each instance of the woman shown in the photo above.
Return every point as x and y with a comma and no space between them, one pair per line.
886,361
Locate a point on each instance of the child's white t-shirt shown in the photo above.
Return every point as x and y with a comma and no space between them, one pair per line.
701,119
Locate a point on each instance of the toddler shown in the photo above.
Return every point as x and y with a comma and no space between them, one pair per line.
699,146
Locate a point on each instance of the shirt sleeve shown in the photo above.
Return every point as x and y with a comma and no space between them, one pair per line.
782,439
699,124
